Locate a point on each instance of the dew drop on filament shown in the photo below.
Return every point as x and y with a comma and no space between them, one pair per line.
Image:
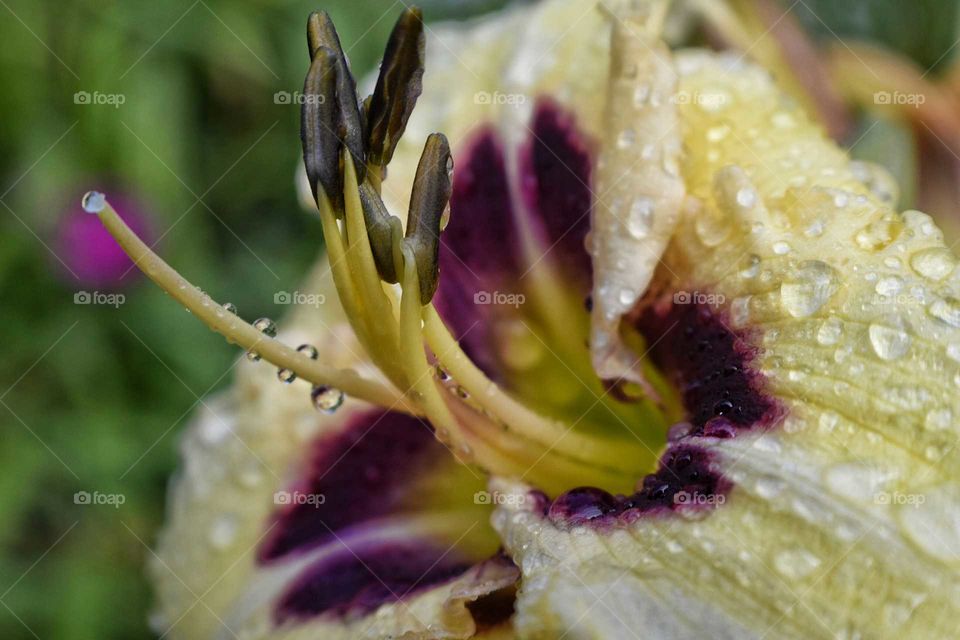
266,326
308,350
326,399
93,202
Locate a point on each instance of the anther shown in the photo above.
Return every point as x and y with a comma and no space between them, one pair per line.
430,198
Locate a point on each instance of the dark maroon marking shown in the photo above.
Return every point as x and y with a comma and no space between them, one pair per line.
479,249
481,233
362,472
722,394
556,168
710,364
354,582
684,468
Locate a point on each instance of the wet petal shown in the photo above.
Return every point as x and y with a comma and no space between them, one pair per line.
288,523
830,343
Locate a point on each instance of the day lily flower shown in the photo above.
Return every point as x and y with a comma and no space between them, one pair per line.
674,368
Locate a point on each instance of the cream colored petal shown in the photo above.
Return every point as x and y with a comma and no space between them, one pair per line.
844,519
242,447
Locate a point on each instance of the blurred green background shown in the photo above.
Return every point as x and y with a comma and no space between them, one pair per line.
94,396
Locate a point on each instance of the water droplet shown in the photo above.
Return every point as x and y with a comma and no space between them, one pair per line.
626,139
640,94
462,393
932,521
253,356
795,564
718,133
828,421
308,350
93,202
641,216
888,343
286,376
450,166
781,248
712,227
266,326
783,120
627,297
752,267
230,307
746,197
223,532
740,311
953,352
939,419
830,331
769,487
878,235
441,374
889,287
933,264
856,480
326,399
813,284
946,310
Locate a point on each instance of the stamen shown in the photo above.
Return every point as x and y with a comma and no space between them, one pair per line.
318,125
322,33
430,198
383,325
398,87
518,417
239,332
354,304
382,229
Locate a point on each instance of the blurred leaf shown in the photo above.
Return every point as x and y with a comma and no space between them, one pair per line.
924,30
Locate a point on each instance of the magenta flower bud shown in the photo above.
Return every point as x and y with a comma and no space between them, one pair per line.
87,254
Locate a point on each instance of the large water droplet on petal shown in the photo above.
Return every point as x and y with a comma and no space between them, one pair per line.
830,332
889,343
946,310
877,235
934,264
810,288
931,519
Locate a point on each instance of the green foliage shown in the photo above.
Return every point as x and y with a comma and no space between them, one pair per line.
924,30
